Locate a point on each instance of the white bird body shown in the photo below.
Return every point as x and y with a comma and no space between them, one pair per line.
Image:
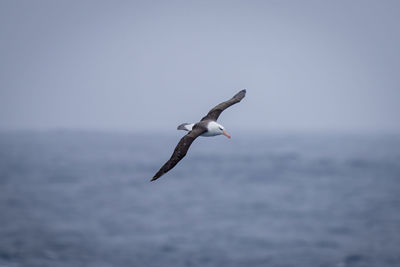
213,128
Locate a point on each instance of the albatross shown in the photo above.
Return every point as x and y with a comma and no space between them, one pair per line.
207,126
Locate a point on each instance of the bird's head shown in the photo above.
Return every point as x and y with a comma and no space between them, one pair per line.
221,130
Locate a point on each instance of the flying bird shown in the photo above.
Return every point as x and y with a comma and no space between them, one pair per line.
207,126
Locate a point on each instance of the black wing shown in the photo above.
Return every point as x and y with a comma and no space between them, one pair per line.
217,110
180,150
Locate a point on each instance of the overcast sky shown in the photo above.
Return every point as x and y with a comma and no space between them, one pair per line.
151,65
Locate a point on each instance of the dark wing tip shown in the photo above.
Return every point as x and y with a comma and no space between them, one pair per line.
240,95
155,178
157,175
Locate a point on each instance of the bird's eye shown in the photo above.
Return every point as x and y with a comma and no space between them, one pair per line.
221,128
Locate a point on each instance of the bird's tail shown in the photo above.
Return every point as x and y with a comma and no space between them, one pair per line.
186,126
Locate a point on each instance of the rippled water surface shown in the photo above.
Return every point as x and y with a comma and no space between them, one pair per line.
84,199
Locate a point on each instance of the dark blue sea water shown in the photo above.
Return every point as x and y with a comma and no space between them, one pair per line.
84,199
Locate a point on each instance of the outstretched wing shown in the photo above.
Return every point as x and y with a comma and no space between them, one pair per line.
217,110
180,150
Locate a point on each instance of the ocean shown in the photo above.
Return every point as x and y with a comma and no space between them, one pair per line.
73,198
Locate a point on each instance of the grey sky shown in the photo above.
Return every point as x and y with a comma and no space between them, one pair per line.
132,66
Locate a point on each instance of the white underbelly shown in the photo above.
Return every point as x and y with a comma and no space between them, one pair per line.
208,134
